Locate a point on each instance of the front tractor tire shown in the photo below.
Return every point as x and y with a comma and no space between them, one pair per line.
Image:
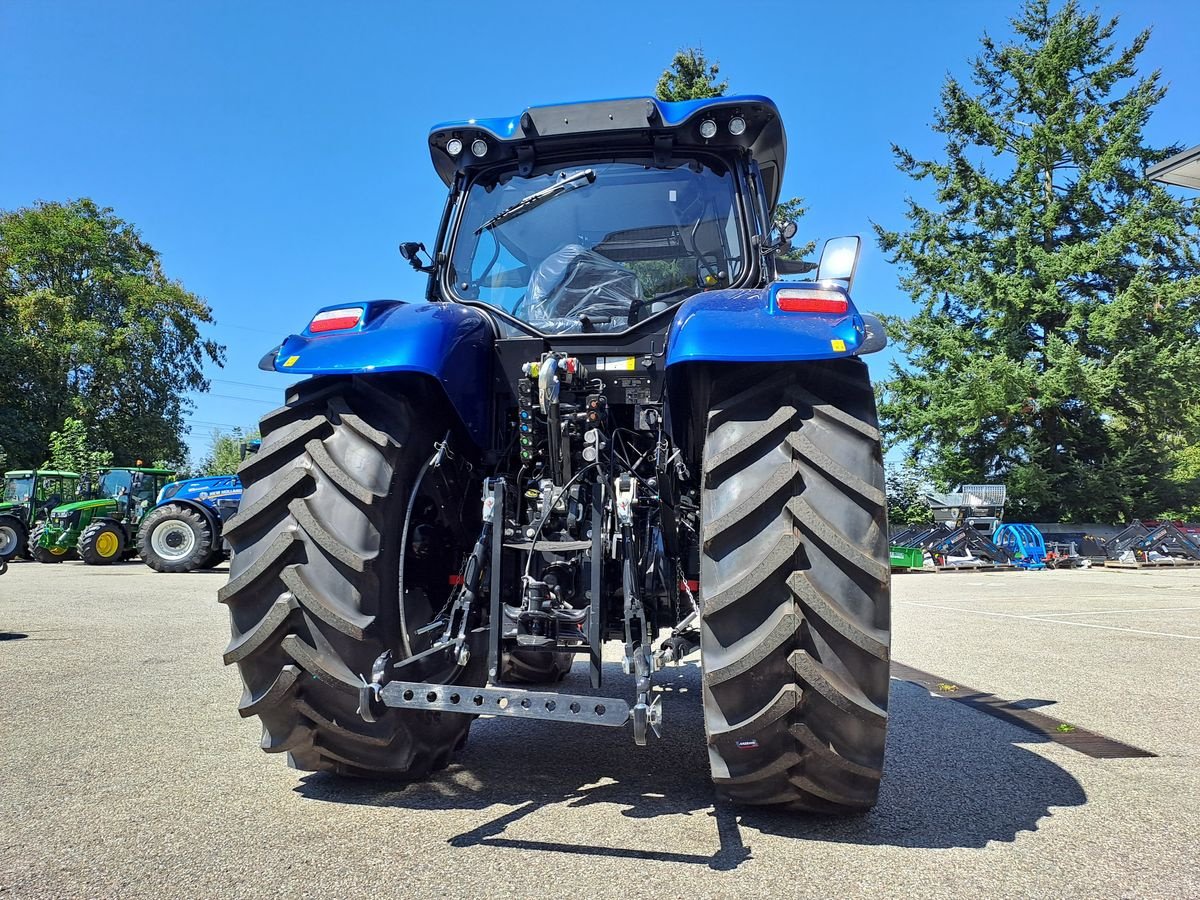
795,588
102,543
313,589
175,538
12,537
44,554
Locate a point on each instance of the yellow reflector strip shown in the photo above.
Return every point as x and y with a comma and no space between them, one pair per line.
839,346
290,361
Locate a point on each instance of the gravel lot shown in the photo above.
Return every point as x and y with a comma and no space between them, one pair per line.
126,771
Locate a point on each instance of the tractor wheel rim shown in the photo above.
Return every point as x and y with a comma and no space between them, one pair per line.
8,539
173,541
106,544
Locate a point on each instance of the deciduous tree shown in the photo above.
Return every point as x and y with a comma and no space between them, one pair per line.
94,329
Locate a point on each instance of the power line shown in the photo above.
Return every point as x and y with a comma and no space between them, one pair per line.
261,387
245,399
205,422
274,334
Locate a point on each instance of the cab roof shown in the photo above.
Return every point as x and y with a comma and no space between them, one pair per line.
136,469
25,473
660,125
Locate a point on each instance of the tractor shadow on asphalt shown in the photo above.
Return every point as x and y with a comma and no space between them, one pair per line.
954,778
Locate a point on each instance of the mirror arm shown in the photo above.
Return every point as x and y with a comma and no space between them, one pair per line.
409,250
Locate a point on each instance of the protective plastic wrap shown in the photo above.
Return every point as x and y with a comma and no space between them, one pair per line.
572,282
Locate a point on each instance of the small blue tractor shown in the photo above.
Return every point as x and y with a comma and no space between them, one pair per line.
618,414
184,530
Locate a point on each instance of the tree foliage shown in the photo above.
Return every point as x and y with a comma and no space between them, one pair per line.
692,77
908,487
74,448
92,328
1057,342
226,451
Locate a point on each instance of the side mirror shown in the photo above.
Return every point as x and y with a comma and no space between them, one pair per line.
839,260
410,251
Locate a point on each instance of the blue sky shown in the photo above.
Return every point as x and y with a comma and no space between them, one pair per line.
275,153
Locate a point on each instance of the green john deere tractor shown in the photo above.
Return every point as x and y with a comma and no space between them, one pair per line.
29,496
104,529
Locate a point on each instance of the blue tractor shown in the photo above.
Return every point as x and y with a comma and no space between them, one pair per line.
618,414
185,529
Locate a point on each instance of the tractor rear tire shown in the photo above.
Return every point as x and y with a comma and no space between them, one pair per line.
795,588
13,539
313,590
42,554
175,538
102,543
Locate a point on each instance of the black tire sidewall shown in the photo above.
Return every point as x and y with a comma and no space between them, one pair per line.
22,536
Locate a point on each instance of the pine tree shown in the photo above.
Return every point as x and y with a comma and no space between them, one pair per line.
1056,345
692,77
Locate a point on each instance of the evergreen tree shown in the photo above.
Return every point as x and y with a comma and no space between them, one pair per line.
908,494
690,77
1057,342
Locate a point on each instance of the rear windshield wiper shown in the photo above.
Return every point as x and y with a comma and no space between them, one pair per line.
537,198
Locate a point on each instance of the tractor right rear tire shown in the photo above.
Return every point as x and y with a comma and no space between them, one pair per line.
795,587
42,554
102,543
313,590
175,538
12,537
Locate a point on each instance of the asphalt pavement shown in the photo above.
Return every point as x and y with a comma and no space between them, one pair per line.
126,771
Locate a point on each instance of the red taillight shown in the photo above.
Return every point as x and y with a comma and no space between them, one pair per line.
811,300
336,319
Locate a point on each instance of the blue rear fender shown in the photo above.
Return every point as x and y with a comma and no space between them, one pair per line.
749,326
450,343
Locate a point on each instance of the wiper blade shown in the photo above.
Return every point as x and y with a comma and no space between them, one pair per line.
537,198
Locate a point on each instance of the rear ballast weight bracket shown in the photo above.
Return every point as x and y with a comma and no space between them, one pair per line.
494,701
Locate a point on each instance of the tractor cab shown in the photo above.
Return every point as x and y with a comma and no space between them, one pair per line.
597,217
133,490
29,496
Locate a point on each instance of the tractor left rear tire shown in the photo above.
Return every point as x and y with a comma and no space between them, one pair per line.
12,537
314,590
102,543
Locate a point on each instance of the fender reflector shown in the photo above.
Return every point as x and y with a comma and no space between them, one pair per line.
336,319
811,300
